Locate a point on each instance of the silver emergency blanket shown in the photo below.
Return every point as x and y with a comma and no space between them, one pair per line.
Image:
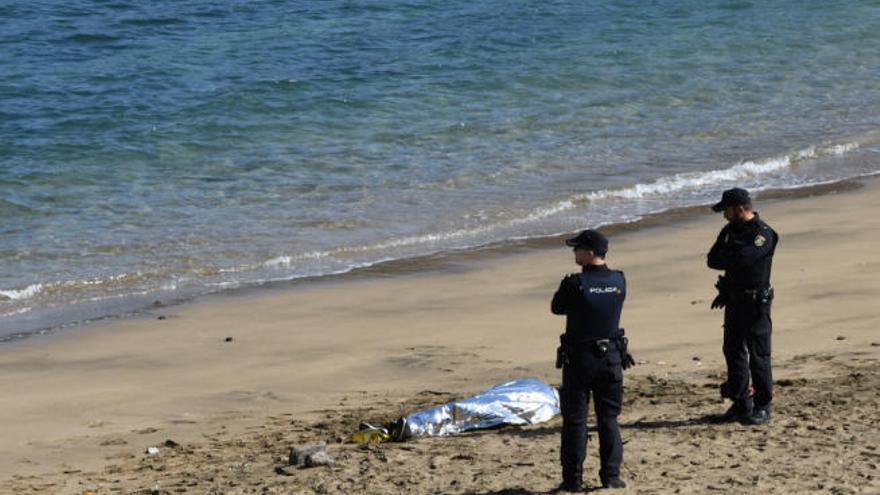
518,402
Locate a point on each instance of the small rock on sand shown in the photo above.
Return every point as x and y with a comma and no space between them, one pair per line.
298,455
320,458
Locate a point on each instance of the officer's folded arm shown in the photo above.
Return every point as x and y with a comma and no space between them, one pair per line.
749,254
719,259
562,299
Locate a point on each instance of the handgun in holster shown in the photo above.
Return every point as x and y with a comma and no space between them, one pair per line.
561,354
626,359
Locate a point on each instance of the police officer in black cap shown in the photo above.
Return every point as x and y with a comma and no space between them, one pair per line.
592,356
744,250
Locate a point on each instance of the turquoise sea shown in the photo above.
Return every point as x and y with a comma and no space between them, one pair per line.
159,150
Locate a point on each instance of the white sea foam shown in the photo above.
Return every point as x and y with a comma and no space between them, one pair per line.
27,292
840,149
17,311
279,261
667,186
33,290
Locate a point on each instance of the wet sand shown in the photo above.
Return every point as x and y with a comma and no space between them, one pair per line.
309,363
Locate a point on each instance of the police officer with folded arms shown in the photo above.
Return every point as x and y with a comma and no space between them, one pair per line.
744,250
592,356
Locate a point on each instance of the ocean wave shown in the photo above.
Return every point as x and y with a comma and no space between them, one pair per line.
18,294
699,183
73,286
16,311
713,178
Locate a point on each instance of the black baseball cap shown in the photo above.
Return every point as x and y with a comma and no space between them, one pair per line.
733,197
592,239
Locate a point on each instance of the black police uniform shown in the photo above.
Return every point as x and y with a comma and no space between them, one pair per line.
592,302
744,250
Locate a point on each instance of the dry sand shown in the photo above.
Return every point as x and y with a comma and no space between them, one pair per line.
309,363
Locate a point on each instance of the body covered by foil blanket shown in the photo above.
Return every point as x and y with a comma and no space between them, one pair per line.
517,402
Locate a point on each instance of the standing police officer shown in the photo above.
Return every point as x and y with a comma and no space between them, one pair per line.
592,355
744,250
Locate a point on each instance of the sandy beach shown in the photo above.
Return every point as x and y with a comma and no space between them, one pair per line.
236,380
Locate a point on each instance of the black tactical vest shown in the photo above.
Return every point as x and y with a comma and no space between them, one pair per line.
598,314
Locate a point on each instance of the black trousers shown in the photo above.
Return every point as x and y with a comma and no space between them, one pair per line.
747,335
588,373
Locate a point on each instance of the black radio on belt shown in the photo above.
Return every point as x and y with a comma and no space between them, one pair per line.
601,346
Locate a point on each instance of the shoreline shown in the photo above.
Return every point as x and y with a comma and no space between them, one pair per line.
457,259
82,400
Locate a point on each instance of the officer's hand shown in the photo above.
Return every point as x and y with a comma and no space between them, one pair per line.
627,362
719,302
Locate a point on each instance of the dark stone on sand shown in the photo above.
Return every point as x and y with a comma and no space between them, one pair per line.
228,339
875,344
788,382
171,444
696,358
298,455
282,471
841,337
161,318
157,304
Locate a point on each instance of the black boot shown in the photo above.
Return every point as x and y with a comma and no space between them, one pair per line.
733,413
572,487
760,415
614,482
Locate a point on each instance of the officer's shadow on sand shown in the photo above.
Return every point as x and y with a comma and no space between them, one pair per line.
643,424
509,491
639,424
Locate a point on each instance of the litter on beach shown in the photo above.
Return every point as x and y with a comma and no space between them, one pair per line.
524,401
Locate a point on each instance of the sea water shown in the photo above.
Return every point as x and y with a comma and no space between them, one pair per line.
156,150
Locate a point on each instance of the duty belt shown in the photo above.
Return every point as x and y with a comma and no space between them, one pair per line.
762,295
600,347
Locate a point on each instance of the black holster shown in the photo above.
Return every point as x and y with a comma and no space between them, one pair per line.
626,359
561,352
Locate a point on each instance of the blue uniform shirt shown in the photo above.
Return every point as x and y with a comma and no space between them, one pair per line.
744,250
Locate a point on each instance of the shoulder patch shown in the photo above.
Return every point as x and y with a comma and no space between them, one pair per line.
760,240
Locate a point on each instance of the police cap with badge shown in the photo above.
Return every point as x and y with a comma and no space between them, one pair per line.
732,197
